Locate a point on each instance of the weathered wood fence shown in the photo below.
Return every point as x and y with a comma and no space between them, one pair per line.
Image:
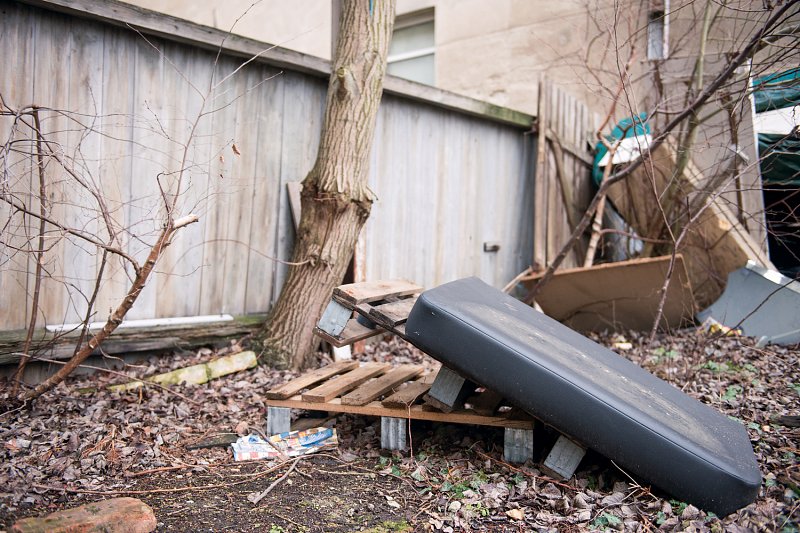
565,127
454,177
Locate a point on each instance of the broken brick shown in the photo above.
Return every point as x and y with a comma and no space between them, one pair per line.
117,515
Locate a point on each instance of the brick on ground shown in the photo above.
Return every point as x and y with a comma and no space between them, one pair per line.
117,515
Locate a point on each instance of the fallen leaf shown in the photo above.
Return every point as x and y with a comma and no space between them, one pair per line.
516,514
392,503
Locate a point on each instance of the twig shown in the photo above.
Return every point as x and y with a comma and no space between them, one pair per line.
423,509
350,465
331,472
671,267
137,286
90,304
274,484
634,483
39,256
161,469
300,527
75,233
597,227
513,283
176,489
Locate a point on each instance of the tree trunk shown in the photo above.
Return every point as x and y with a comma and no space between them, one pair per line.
336,200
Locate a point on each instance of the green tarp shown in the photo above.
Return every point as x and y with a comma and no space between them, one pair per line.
780,158
779,153
776,91
628,127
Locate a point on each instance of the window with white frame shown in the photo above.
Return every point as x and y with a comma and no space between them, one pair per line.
658,30
412,50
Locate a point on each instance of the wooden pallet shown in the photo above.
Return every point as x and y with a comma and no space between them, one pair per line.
377,389
382,305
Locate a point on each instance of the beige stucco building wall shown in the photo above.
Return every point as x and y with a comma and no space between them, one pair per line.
301,25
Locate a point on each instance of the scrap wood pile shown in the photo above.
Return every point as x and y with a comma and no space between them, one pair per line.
83,437
693,257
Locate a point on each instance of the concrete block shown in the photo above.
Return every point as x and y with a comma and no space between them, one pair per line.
394,433
334,318
449,390
279,420
565,457
517,445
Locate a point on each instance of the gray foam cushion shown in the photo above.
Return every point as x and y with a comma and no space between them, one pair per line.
647,426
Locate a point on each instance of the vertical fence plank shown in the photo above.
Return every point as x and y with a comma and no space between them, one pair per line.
266,190
17,47
567,120
119,75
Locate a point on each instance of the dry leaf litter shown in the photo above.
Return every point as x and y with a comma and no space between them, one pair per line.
81,442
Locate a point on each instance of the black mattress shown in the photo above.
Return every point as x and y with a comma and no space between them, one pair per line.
647,426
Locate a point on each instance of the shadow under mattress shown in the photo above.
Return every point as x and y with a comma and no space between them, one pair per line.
647,426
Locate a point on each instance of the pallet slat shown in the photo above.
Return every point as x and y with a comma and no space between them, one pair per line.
376,388
372,291
414,412
344,383
354,331
394,313
309,379
409,394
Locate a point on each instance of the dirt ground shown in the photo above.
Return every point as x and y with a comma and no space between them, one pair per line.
82,443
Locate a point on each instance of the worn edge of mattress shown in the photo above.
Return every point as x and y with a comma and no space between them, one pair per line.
560,377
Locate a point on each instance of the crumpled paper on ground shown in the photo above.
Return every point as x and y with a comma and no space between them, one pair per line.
288,444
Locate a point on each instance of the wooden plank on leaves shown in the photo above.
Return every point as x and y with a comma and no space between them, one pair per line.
372,291
393,313
344,383
372,390
310,379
